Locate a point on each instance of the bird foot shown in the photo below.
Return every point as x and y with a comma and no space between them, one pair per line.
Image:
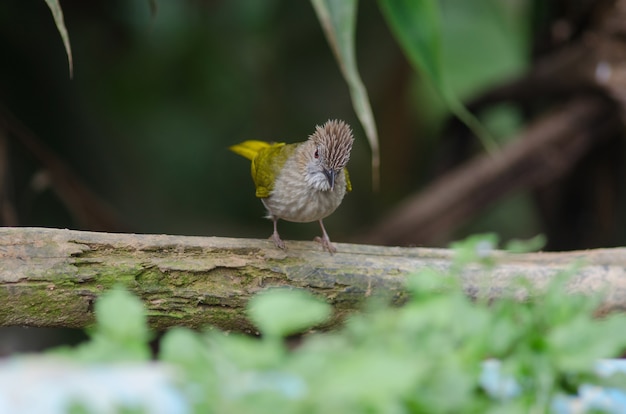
326,244
277,241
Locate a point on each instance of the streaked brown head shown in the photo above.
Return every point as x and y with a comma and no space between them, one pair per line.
327,152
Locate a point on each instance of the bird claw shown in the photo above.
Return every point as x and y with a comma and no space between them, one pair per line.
278,241
326,245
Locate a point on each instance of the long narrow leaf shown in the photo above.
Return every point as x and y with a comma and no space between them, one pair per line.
57,13
416,26
338,19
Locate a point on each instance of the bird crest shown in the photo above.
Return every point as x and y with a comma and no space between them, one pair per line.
334,142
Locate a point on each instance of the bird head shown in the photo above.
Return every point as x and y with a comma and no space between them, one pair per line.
326,153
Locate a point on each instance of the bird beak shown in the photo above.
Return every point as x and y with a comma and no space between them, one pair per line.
330,176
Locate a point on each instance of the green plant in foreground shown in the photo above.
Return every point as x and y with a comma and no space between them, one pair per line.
425,357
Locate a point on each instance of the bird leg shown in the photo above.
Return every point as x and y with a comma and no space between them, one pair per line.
275,237
325,240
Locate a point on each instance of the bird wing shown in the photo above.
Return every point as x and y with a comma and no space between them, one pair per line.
263,169
348,183
268,164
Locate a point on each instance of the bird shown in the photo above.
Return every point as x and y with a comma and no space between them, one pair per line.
302,182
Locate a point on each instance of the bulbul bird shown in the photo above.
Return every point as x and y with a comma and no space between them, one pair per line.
305,181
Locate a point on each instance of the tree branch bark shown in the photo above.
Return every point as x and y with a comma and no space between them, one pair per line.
51,277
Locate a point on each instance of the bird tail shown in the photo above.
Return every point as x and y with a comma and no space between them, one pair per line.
249,149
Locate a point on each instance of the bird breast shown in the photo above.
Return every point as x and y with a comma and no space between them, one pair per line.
294,199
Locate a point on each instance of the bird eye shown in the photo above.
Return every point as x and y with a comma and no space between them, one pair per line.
317,154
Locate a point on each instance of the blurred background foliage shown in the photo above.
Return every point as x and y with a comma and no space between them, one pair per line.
144,125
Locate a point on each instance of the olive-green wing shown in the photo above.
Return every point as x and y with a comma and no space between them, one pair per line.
267,165
348,183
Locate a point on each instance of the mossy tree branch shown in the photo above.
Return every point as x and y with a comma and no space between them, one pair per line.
51,277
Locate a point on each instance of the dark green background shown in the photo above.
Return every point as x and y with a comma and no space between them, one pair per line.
156,100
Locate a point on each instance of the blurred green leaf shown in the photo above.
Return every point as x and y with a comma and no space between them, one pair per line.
477,248
248,351
57,13
427,282
184,347
525,246
121,331
120,315
417,27
576,346
338,19
282,312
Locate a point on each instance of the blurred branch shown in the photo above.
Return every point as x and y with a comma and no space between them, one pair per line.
593,61
545,151
87,208
51,277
